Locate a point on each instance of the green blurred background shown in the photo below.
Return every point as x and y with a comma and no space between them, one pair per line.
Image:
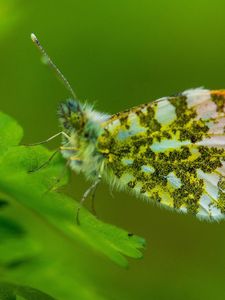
118,54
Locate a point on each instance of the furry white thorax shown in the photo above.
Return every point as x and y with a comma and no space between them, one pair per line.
83,155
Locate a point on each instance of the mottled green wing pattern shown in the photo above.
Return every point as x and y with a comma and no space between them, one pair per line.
171,151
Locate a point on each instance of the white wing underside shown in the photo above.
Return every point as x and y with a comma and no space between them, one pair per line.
211,204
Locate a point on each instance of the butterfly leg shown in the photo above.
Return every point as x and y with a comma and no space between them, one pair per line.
49,139
58,179
53,155
46,163
92,188
93,201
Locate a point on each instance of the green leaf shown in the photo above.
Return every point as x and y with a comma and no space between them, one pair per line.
9,229
11,291
3,203
16,246
11,133
31,190
35,208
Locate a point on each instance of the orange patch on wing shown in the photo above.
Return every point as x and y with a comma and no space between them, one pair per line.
218,93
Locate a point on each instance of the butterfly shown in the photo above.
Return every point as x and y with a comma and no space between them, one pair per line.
170,151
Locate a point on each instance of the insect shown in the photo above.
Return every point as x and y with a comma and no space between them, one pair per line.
170,151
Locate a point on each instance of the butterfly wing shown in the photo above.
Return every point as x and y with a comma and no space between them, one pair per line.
171,151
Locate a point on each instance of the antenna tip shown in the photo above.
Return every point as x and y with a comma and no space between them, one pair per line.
34,38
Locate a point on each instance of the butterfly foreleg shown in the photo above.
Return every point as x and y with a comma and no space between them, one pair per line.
46,163
49,139
53,155
90,190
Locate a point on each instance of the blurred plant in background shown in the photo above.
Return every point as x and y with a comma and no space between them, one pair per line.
9,16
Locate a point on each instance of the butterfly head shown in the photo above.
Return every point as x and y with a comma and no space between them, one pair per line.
83,126
71,116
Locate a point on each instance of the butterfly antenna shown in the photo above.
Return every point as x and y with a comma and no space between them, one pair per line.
48,60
